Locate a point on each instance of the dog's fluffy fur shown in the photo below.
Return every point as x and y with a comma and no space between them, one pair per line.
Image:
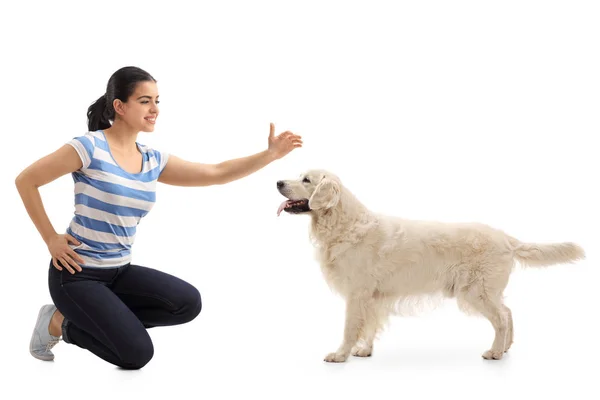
376,262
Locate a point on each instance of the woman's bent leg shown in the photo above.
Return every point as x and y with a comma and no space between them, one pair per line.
96,319
157,298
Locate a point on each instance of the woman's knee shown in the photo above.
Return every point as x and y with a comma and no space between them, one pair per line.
192,304
137,352
195,303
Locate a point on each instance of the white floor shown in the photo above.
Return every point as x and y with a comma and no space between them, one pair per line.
255,347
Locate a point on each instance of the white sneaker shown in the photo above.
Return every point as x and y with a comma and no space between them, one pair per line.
41,340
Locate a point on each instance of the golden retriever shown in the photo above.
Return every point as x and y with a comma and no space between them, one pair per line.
375,262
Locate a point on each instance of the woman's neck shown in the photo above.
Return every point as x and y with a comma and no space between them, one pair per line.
121,137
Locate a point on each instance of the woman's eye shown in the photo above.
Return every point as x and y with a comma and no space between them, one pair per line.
305,180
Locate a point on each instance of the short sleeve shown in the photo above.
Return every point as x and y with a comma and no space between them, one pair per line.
84,146
162,158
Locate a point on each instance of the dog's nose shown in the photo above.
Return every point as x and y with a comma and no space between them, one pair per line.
280,184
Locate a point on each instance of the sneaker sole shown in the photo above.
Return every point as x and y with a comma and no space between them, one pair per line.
39,357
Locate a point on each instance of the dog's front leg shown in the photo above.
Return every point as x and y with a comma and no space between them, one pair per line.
356,309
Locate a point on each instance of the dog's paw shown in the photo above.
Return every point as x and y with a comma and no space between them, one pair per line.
362,351
493,355
336,357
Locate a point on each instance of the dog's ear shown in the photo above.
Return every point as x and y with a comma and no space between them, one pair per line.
326,195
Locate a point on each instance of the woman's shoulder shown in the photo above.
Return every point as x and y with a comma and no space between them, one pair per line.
85,144
159,156
90,136
151,150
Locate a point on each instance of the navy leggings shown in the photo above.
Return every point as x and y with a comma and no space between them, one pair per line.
107,311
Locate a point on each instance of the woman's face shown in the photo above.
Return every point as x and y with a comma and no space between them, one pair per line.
141,109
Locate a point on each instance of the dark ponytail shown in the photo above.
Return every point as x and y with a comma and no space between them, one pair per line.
120,86
99,115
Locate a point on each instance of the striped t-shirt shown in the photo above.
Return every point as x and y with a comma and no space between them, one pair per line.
109,201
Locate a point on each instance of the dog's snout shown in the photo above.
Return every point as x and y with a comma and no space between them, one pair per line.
280,184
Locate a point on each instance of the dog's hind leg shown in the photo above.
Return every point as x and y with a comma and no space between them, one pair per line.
510,333
493,309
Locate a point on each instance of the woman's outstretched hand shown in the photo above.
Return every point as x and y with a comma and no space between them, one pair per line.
283,143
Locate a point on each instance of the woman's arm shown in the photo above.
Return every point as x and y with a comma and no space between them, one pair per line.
185,173
61,162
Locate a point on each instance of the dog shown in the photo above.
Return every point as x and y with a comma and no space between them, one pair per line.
375,261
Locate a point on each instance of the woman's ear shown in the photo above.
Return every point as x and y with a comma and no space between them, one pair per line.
119,107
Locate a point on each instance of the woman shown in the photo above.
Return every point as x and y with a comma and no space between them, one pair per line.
102,302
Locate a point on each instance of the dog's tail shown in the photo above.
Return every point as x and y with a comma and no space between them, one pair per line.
546,254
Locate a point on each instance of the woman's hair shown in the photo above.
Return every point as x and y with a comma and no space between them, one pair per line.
120,86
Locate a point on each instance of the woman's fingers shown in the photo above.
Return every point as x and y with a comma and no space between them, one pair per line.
66,265
56,264
72,240
72,262
75,256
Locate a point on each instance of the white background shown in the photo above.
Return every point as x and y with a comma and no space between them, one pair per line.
448,110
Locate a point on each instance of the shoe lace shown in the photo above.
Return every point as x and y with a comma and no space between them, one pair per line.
51,343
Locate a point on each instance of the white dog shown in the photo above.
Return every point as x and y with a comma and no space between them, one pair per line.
375,262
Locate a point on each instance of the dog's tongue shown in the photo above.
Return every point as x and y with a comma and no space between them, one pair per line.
282,206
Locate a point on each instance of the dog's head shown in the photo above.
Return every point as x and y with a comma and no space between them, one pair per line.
315,190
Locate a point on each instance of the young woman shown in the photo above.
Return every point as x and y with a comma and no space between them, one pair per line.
102,302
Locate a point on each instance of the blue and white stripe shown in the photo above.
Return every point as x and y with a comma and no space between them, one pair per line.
109,201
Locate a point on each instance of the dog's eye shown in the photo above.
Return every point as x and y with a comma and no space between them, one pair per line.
305,180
